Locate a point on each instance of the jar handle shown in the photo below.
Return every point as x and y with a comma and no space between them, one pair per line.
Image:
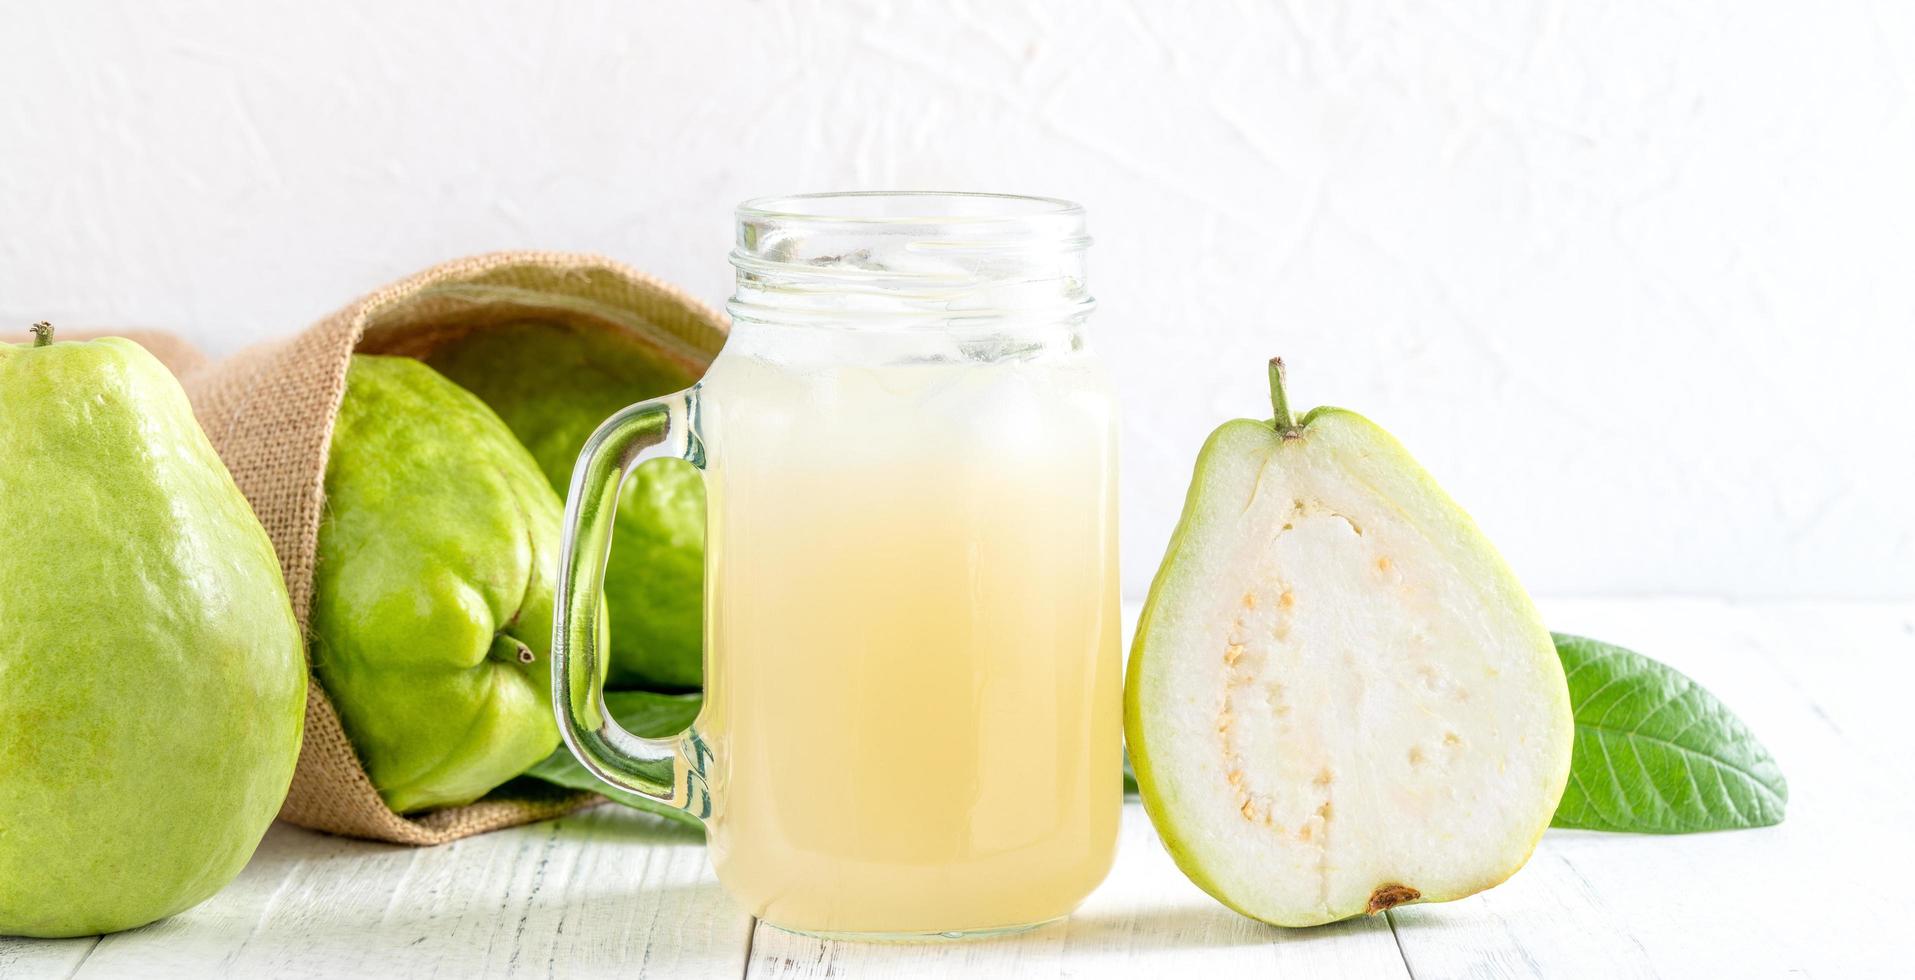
669,770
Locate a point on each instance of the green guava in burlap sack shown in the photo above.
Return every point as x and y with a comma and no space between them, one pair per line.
271,412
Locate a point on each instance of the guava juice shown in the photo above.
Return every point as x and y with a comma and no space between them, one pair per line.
913,663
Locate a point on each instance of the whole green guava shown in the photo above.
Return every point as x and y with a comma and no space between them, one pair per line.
553,384
152,676
432,595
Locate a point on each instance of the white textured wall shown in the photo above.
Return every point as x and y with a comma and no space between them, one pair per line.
1635,279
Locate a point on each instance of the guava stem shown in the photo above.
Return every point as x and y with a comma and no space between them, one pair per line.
1279,401
506,649
42,334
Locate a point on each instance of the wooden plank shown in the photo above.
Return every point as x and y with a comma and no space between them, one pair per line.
603,893
29,959
1147,920
1823,685
1826,685
1547,921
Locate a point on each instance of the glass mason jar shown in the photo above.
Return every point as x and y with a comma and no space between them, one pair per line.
911,723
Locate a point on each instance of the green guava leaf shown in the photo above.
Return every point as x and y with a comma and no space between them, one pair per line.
1657,754
1130,777
644,714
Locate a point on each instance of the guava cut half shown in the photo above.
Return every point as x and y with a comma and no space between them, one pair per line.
1339,699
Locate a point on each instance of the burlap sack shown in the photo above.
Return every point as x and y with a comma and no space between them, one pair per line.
269,411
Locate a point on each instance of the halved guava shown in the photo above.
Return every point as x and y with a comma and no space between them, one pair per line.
1339,700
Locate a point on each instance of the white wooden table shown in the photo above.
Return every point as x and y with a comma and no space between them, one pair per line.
611,892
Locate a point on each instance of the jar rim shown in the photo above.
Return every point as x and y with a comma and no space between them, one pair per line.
875,207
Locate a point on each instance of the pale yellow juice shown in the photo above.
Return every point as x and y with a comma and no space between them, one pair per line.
913,687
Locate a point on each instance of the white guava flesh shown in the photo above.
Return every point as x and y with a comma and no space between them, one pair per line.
1340,700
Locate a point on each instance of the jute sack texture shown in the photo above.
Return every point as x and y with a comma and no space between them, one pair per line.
269,411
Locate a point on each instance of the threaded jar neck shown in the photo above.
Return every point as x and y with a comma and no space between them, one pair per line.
910,260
